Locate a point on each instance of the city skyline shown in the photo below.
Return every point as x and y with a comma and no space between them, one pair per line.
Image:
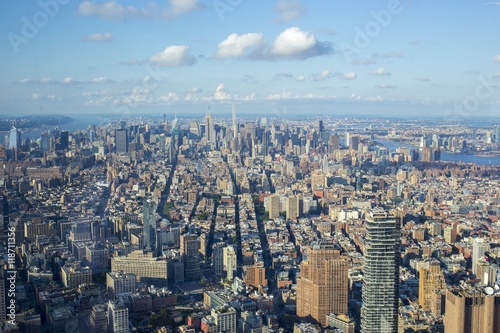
386,58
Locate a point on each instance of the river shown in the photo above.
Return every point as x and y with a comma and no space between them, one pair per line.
447,156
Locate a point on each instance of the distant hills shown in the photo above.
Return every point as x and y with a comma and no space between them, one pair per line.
6,122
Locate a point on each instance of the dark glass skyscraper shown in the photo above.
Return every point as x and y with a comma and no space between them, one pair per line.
149,224
121,141
379,312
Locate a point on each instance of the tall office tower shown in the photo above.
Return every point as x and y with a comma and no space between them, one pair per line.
472,310
479,248
323,284
118,283
274,206
218,258
121,141
379,312
431,279
45,142
210,130
64,140
149,225
265,147
117,318
321,128
235,123
99,318
354,144
14,138
497,133
190,257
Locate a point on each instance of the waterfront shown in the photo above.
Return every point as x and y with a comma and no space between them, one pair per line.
447,156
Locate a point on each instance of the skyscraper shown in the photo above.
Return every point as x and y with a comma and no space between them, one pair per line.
14,138
210,130
497,133
190,257
478,250
379,312
64,140
121,141
149,224
323,284
235,123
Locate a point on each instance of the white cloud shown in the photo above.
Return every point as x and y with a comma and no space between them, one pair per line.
196,90
235,45
99,37
101,79
288,10
179,7
325,74
175,55
293,42
282,75
386,86
282,95
45,80
496,58
68,80
346,76
170,97
221,93
300,78
112,10
380,71
36,96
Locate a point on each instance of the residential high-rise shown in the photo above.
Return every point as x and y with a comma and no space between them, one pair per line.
431,280
117,318
149,225
274,206
256,275
73,275
99,318
190,257
323,284
225,319
479,247
14,138
472,310
292,209
379,312
119,283
121,141
229,254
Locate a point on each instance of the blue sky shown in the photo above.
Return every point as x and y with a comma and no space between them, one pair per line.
273,57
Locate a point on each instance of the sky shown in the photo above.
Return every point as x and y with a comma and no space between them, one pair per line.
402,58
